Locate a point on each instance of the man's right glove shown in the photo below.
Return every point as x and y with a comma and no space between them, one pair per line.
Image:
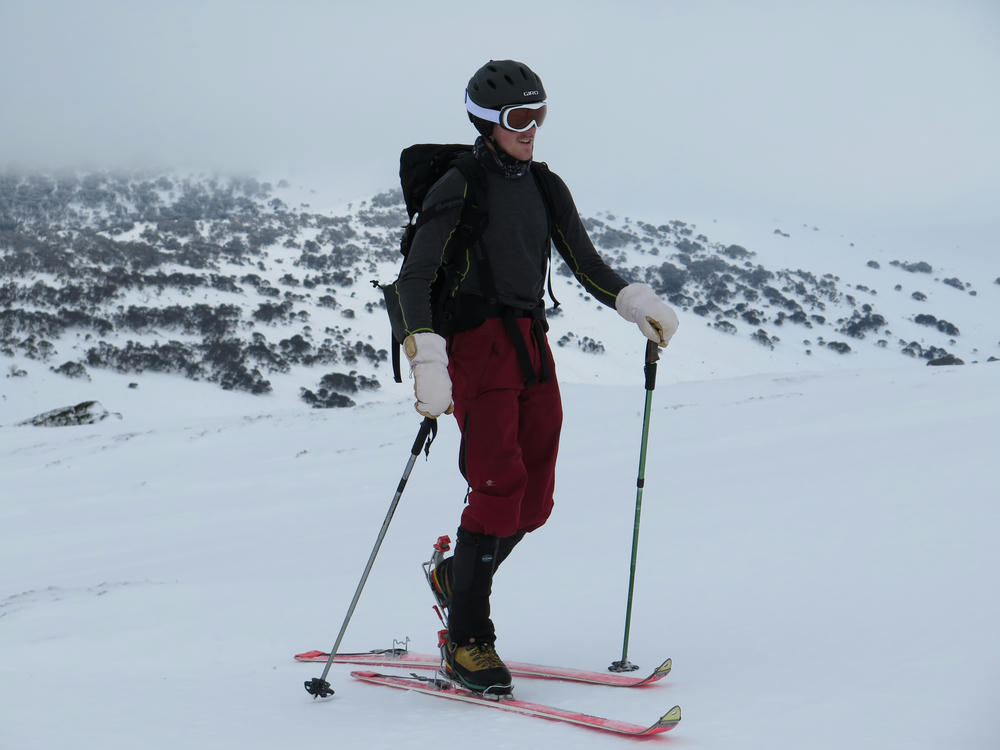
639,304
428,357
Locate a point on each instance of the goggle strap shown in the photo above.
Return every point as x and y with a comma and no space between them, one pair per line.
493,115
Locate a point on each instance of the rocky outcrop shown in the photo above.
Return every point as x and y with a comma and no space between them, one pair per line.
86,412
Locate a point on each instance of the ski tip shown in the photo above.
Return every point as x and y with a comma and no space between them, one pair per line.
664,669
670,719
311,655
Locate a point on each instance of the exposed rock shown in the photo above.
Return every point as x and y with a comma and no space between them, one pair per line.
948,359
86,412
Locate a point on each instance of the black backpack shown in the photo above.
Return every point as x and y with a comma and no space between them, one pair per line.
420,167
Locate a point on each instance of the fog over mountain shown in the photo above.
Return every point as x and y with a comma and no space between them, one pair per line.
866,116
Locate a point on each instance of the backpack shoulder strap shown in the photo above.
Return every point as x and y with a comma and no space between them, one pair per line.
545,180
474,216
473,204
474,213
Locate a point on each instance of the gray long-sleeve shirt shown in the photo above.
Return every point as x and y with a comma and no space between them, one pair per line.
515,242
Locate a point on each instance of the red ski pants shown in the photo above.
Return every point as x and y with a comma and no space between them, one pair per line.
510,431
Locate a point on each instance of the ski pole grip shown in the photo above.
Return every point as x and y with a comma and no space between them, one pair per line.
427,428
652,355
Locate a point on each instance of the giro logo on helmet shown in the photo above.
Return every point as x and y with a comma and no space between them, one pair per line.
530,93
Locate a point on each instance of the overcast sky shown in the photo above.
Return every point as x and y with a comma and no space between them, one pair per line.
885,111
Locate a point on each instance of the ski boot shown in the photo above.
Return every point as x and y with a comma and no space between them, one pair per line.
462,585
476,666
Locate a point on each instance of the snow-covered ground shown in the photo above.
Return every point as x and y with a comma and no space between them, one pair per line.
817,555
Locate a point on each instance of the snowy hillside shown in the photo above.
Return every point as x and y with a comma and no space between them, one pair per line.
265,289
818,540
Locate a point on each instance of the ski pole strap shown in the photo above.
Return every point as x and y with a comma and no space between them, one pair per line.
428,427
652,355
397,375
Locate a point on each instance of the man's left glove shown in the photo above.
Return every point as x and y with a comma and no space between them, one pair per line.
639,304
428,355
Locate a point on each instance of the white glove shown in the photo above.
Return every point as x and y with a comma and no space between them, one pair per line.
428,357
638,304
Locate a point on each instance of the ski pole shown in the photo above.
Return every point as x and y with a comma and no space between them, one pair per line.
652,355
318,687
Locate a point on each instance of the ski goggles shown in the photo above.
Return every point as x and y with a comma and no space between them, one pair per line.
516,117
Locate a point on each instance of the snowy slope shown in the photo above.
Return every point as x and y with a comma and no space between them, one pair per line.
818,531
817,556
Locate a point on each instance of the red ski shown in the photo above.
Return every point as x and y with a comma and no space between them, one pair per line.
398,657
443,689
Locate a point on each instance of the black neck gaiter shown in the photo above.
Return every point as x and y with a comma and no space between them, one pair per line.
499,160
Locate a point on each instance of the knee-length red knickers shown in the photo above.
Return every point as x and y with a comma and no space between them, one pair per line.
510,431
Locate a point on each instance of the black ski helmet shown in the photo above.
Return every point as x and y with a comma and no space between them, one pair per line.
500,83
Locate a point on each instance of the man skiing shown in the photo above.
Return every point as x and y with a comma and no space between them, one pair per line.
493,367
